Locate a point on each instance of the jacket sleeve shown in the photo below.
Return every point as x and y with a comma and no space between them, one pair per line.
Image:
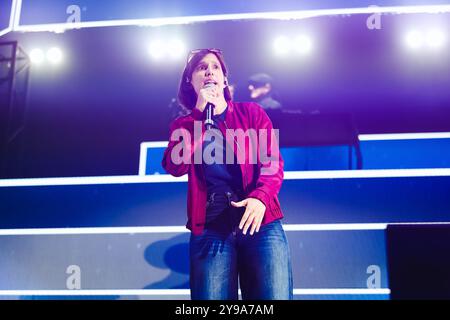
175,160
270,163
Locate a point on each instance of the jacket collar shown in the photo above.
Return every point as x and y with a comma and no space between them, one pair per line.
230,106
229,116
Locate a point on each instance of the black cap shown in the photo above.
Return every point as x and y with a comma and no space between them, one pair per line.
260,79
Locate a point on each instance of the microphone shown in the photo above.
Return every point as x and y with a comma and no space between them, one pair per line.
209,110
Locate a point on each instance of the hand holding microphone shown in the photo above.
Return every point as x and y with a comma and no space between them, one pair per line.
207,98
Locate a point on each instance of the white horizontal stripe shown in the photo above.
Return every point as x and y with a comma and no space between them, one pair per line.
93,230
180,229
164,292
335,227
341,291
379,173
404,136
301,14
288,175
68,181
100,292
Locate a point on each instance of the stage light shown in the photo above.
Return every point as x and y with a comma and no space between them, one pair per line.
176,49
173,49
282,45
54,55
435,39
415,40
156,49
37,56
302,44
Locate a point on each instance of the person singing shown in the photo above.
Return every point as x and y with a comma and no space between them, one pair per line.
233,210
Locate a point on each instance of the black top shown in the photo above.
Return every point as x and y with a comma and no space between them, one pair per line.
220,177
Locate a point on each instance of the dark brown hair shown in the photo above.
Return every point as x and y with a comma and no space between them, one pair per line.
187,96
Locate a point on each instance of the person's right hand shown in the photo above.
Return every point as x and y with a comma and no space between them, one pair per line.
209,94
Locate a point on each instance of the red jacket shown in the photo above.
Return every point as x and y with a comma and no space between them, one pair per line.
265,187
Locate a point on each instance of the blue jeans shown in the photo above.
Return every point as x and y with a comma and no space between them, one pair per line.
260,262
